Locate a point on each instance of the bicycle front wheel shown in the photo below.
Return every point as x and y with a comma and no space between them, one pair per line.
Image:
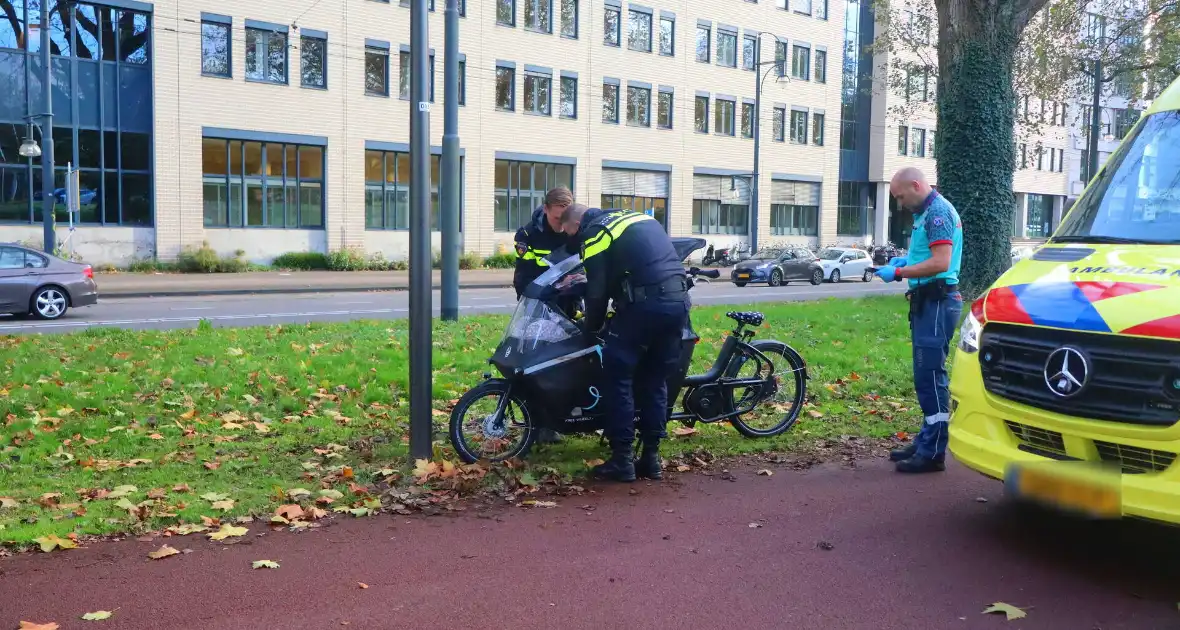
776,404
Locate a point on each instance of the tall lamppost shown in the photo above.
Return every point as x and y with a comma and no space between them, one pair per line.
759,79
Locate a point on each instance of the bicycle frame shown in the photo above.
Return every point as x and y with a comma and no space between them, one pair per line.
737,341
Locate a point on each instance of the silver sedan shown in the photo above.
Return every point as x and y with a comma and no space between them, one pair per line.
35,283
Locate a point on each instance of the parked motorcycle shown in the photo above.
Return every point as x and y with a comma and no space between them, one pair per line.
719,257
549,371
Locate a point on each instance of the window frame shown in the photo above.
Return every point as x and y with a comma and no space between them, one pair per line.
284,183
801,64
546,29
708,49
608,83
644,91
719,108
696,122
227,31
561,96
512,221
510,72
511,4
671,95
903,140
632,13
819,70
726,36
323,41
798,130
576,19
265,45
818,130
617,32
778,124
536,79
381,52
671,52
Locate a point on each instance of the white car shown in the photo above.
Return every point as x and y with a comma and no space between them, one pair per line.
845,262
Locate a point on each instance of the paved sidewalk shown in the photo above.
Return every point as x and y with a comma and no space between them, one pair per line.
829,549
163,284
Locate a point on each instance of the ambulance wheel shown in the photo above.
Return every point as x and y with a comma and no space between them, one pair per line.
482,428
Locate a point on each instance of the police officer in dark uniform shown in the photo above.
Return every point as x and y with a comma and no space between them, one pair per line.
629,259
534,242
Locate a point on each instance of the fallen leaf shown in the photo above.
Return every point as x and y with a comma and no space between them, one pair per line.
362,585
228,531
156,436
250,399
684,431
231,426
8,503
298,493
188,415
53,541
766,472
265,564
854,377
755,525
186,529
346,472
224,506
49,499
29,625
235,352
121,491
1013,613
214,496
591,463
289,512
163,552
99,615
815,413
125,504
261,427
332,494
212,465
540,504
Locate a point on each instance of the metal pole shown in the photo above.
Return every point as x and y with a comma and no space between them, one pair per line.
420,310
449,187
756,126
47,197
1095,119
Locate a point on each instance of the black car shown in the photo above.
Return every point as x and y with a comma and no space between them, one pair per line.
777,267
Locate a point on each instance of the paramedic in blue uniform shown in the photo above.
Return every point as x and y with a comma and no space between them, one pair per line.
630,260
534,241
932,270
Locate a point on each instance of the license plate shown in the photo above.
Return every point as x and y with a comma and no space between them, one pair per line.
743,276
1068,487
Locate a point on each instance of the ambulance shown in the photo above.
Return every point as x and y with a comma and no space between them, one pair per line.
1066,380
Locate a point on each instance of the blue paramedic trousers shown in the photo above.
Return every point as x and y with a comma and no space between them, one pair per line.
932,326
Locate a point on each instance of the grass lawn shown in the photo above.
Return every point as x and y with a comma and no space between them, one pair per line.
109,431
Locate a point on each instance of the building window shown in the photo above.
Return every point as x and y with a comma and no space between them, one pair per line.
852,211
538,94
569,97
821,66
610,103
404,66
639,31
506,12
803,6
780,124
933,144
749,52
917,84
1023,155
710,216
821,9
723,119
801,62
376,72
611,27
781,4
747,120
817,129
521,187
462,81
536,16
638,106
1039,223
313,58
667,37
903,140
387,190
262,184
798,127
703,46
664,107
791,220
701,114
727,49
918,143
655,207
216,51
1040,158
506,89
569,18
780,58
266,56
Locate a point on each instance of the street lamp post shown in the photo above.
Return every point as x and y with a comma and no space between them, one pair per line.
421,428
29,148
759,79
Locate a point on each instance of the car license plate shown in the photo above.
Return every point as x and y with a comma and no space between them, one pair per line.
743,276
1070,487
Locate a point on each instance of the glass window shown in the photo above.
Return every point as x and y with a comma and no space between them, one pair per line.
918,143
85,32
536,16
701,114
12,258
266,56
821,66
713,217
14,194
639,31
387,190
133,37
137,199
817,129
12,21
253,184
727,49
667,37
780,58
610,103
638,106
852,215
821,9
136,151
780,124
506,12
611,26
655,207
703,45
723,118
749,52
803,6
505,89
376,72
537,94
569,97
798,127
801,63
215,50
462,82
747,120
313,58
569,18
664,109
792,220
521,187
903,140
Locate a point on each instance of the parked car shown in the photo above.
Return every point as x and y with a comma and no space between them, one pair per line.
777,267
845,262
35,283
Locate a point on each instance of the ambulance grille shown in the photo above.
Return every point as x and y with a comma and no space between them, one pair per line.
1134,460
1038,441
1131,380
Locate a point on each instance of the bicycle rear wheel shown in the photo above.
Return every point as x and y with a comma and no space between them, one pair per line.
777,407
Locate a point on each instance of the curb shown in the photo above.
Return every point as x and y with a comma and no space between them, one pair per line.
134,293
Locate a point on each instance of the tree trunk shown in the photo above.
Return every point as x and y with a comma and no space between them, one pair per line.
975,141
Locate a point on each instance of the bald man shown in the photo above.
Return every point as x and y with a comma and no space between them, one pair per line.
932,270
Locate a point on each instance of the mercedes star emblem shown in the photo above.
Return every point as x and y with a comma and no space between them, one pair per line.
1067,372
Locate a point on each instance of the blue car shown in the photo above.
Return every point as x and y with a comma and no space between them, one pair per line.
777,267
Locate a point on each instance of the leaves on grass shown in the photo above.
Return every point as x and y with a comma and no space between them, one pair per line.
289,512
298,493
224,506
186,529
815,413
214,496
53,541
331,494
228,531
163,552
684,431
121,491
7,503
1013,613
98,615
265,564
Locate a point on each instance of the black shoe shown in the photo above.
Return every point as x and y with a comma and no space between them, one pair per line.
548,436
917,464
648,464
620,466
902,454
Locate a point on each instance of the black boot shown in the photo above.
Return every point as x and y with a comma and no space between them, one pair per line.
902,454
919,464
648,464
620,466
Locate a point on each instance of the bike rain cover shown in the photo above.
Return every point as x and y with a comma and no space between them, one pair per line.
539,331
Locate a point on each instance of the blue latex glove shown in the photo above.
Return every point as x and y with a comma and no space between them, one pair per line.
888,274
898,261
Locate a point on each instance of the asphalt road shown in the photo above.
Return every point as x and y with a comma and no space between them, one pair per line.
250,310
832,548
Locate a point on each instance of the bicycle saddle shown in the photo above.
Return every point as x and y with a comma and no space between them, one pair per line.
751,318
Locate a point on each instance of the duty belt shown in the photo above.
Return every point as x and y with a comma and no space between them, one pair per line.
672,288
932,291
